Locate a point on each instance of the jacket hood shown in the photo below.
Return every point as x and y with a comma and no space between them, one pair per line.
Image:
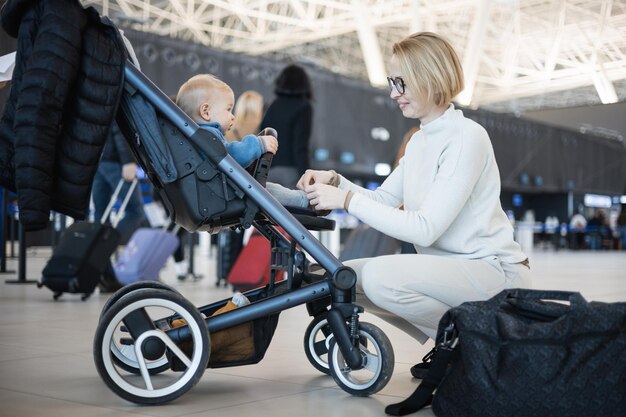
12,13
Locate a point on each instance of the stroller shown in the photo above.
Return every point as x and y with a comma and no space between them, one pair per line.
152,345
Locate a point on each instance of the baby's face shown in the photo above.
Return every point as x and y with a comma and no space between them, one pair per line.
221,110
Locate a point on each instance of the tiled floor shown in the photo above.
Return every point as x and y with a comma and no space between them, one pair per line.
47,368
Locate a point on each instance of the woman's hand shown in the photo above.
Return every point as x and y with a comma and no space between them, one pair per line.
325,197
311,176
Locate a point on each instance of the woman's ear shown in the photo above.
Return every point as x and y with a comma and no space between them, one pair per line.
205,112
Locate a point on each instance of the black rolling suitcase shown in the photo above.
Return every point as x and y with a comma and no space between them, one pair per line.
82,254
79,258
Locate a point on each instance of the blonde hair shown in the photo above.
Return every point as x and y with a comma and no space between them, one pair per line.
248,115
430,66
198,90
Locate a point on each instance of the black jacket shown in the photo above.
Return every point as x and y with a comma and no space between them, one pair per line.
292,117
66,85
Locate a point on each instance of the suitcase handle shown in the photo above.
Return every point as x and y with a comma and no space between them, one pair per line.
174,230
116,193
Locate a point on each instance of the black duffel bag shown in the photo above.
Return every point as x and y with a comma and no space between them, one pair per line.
519,354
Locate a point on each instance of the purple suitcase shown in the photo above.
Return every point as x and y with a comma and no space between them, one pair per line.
145,255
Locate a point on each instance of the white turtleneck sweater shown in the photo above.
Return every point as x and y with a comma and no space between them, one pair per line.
449,184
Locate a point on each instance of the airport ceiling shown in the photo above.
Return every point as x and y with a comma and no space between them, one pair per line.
518,55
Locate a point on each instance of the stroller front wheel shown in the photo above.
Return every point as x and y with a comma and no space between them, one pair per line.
378,364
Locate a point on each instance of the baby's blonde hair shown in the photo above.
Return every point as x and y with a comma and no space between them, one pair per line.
430,66
198,90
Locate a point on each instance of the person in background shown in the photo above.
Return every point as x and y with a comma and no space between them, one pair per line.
598,230
552,233
117,162
449,185
621,226
577,225
291,114
248,114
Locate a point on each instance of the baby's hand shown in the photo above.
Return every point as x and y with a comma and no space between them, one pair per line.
270,143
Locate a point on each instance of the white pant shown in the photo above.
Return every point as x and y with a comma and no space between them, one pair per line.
412,292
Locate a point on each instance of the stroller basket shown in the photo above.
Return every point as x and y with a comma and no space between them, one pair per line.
244,344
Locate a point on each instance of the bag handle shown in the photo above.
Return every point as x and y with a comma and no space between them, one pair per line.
575,299
527,303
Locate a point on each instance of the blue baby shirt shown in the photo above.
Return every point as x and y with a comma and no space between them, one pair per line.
248,149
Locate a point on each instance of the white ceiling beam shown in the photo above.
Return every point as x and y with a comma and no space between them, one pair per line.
415,24
474,50
370,48
556,43
604,86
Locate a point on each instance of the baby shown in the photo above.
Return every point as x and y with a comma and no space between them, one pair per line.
209,102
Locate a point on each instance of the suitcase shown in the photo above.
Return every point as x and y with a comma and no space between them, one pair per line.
79,259
229,246
84,251
145,255
252,267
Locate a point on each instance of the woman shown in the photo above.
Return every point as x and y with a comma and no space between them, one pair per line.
291,114
449,184
248,114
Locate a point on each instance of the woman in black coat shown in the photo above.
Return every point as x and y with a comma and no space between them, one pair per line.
291,114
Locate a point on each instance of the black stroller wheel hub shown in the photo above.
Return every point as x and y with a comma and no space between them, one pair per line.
153,348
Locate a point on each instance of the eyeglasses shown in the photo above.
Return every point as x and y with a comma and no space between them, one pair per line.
398,83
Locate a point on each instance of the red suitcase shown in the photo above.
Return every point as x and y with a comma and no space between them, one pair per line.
252,267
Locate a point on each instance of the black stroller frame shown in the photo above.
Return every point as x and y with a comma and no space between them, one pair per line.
205,189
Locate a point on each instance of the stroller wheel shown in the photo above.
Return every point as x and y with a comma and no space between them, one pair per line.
316,343
123,353
151,347
377,368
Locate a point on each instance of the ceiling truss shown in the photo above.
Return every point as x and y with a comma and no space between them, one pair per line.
515,52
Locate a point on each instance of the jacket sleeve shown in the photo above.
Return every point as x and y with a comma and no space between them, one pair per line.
51,69
246,150
121,146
